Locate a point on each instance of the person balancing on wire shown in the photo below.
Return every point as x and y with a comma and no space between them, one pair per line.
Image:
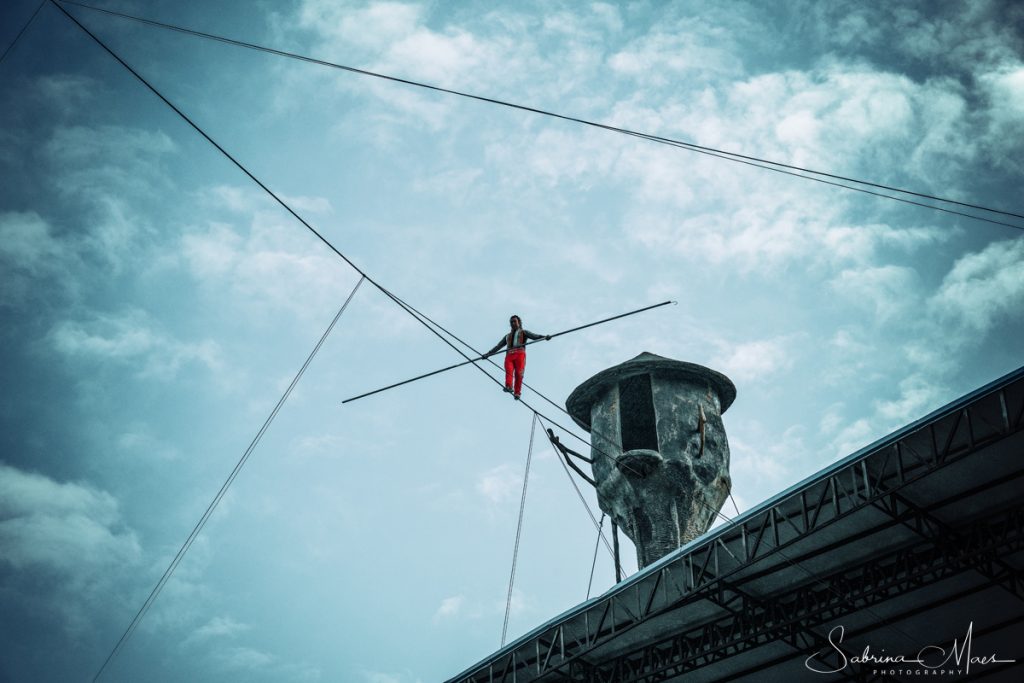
515,354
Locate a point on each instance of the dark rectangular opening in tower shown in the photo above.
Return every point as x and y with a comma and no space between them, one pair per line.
636,414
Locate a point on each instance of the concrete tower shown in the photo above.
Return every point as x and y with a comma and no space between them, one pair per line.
660,454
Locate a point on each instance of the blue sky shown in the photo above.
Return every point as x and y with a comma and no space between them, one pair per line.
155,303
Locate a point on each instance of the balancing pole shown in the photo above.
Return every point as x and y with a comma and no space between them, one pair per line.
485,356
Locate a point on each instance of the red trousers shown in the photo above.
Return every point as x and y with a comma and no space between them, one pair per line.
515,365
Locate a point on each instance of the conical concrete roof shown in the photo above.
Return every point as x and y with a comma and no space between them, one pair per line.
583,397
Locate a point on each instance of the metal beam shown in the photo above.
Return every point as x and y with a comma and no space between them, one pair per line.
753,622
928,526
854,634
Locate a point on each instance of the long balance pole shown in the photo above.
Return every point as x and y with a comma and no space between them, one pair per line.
483,357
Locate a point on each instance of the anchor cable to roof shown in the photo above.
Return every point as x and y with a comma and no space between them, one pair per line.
586,505
180,555
519,529
597,545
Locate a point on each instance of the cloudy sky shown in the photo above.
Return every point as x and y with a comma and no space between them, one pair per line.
156,303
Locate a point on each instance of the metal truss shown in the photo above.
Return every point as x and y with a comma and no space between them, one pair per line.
893,620
753,622
926,525
561,650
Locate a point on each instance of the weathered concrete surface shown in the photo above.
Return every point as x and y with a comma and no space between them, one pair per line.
665,497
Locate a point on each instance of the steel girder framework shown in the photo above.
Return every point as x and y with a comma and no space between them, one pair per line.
754,622
873,479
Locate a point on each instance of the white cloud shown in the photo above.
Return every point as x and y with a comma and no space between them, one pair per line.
234,198
395,39
31,248
756,360
449,607
29,253
328,445
79,145
832,420
1006,87
454,184
858,353
521,604
102,176
409,108
917,396
114,231
583,25
556,155
765,454
969,36
245,658
70,528
218,627
886,291
691,48
820,118
139,442
861,243
609,14
375,26
66,90
439,59
215,632
854,436
593,260
269,265
308,205
69,553
842,118
983,287
213,253
131,339
99,162
764,240
500,484
26,241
